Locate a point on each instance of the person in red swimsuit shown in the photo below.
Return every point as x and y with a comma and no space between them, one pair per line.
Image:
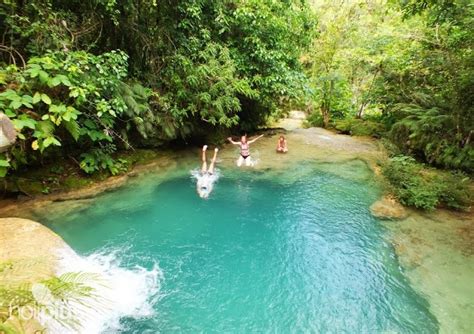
244,149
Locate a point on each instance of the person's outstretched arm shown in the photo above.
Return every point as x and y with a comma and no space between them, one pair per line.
233,142
255,139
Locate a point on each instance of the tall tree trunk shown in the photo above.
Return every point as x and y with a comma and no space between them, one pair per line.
361,110
325,114
366,100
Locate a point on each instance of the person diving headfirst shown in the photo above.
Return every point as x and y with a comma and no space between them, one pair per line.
206,178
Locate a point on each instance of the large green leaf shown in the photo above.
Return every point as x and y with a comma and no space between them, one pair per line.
48,141
24,121
46,99
36,97
73,127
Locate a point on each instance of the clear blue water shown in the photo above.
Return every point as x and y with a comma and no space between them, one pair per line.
261,255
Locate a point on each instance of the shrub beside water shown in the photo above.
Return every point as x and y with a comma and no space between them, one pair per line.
413,183
350,126
359,127
417,185
314,119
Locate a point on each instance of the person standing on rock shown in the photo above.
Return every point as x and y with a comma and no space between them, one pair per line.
244,149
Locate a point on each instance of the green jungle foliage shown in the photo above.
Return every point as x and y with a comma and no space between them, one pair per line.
359,127
83,79
86,80
408,65
426,188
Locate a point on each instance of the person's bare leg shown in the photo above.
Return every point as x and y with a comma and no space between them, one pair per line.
213,161
204,160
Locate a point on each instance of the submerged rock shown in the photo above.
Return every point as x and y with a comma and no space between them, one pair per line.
439,263
388,208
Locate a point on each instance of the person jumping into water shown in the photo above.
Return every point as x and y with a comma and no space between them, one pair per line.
282,146
205,181
244,149
204,169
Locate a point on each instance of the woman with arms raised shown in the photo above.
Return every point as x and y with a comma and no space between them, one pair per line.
244,149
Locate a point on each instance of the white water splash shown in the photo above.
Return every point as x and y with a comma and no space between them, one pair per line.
255,159
120,292
204,182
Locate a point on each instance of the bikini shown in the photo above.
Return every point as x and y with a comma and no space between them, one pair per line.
244,150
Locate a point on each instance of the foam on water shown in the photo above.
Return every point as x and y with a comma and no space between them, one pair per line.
119,292
204,182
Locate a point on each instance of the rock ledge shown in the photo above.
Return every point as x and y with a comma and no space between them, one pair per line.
388,208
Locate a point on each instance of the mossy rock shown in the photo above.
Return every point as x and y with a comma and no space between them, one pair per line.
30,187
388,208
359,127
138,156
75,182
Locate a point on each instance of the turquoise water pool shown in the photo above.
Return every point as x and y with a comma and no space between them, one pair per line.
263,254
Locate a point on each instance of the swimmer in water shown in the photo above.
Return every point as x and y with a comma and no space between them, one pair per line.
282,146
206,178
244,149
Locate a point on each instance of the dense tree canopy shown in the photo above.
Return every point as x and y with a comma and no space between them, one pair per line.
401,69
100,75
87,78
